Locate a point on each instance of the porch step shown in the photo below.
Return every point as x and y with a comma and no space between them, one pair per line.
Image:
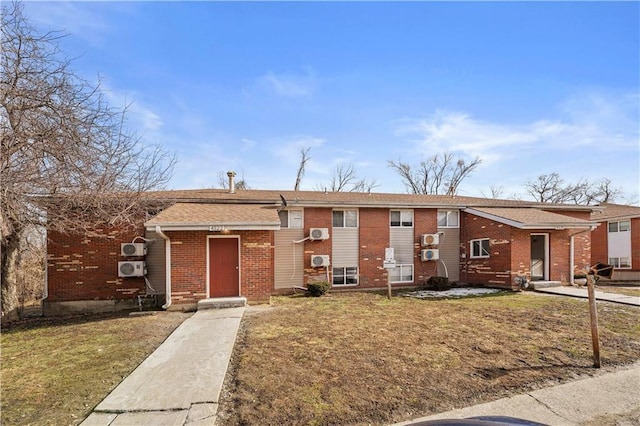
222,302
544,284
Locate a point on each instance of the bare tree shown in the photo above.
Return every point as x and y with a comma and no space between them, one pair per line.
304,159
345,179
496,191
439,174
550,188
67,160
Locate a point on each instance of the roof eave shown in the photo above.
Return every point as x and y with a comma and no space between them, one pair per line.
215,226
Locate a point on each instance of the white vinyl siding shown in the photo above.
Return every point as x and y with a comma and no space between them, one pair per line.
449,251
289,258
156,266
344,247
403,241
619,243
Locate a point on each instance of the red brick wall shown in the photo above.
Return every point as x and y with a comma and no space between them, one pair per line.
189,265
599,250
321,217
85,267
635,244
374,238
510,252
496,269
425,221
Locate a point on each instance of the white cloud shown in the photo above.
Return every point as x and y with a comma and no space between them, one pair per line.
588,122
289,85
81,19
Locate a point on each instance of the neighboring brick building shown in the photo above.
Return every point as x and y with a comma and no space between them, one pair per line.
253,243
617,240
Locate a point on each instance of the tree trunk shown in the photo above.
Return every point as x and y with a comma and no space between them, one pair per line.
10,267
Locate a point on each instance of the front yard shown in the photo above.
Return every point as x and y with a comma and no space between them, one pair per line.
362,359
55,370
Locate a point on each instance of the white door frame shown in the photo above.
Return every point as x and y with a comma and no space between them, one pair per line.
545,276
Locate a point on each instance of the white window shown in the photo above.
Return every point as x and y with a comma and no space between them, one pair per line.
448,219
621,226
291,219
620,262
480,248
345,218
345,276
401,218
402,273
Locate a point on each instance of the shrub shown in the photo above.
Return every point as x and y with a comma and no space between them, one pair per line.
438,283
319,288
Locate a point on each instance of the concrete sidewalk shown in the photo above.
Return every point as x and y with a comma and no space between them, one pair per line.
581,292
604,399
180,382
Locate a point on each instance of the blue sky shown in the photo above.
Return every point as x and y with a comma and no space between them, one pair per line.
531,88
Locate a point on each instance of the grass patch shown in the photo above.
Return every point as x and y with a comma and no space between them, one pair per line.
56,370
627,291
359,358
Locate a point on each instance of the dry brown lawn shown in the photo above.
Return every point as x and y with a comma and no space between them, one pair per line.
56,370
358,358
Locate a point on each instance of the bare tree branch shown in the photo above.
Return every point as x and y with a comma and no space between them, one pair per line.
304,159
66,157
551,188
439,174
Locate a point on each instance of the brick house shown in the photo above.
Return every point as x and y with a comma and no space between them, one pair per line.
617,240
257,243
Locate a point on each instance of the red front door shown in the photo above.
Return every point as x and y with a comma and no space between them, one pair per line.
223,267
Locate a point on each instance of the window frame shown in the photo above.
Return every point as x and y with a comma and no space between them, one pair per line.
618,226
344,218
447,213
288,226
401,223
479,241
616,262
401,266
354,275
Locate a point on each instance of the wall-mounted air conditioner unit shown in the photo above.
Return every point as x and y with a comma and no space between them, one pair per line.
318,234
136,268
133,249
429,254
430,240
318,261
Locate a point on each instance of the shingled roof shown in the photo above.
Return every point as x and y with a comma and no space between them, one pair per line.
196,216
615,211
530,218
342,199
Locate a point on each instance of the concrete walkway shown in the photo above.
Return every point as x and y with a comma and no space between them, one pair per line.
605,399
581,292
180,382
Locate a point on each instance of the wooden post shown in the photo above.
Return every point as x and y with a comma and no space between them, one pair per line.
388,286
594,320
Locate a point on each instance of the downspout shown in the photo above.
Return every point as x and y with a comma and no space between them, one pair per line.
45,292
167,261
571,260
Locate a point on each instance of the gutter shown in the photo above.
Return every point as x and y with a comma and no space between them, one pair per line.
167,261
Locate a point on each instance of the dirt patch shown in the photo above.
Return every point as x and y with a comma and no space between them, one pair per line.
358,358
55,370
